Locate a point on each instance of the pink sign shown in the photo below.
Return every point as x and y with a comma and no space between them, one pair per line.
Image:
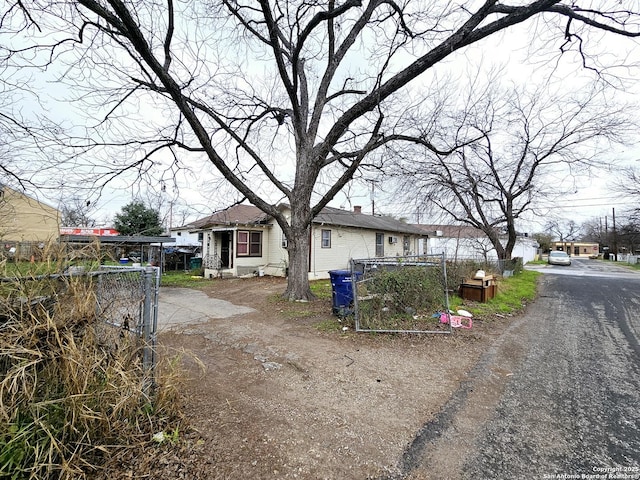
98,232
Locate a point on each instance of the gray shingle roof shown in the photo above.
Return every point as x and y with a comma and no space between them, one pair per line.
249,214
347,218
235,215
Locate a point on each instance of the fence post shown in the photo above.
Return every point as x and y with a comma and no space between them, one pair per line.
354,289
148,355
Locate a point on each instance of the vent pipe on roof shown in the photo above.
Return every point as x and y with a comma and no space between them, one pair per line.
357,209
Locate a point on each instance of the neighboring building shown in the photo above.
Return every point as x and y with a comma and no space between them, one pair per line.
243,240
25,219
186,252
464,241
577,249
186,237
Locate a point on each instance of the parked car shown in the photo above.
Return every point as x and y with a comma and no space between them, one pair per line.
559,258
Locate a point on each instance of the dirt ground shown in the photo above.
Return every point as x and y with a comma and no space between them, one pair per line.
280,395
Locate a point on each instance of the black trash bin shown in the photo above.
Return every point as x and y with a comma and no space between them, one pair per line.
342,292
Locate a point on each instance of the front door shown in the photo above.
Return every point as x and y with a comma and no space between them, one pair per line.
225,249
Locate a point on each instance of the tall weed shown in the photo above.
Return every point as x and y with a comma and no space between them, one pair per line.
68,400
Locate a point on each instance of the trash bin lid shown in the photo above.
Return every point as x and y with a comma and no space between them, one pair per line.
340,272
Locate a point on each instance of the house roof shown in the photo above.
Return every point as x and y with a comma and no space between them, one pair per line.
235,215
348,218
249,214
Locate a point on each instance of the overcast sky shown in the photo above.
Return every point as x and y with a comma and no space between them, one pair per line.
511,53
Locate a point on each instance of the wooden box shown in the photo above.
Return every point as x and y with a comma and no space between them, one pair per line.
480,281
478,289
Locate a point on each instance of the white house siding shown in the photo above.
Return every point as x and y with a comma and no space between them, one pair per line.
277,256
348,243
479,248
461,247
185,238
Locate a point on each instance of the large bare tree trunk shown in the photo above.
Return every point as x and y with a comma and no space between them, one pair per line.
299,239
497,244
298,279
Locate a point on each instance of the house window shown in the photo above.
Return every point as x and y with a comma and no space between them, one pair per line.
326,238
406,245
249,244
379,244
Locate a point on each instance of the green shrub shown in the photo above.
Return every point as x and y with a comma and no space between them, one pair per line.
401,298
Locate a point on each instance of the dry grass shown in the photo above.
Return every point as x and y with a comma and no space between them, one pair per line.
67,400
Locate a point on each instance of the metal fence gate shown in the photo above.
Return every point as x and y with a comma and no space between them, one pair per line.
127,308
400,294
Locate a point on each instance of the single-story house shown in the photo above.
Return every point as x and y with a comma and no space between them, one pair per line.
577,249
242,240
465,241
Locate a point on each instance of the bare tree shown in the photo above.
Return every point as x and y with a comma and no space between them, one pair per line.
629,238
564,230
77,212
628,184
595,230
544,239
285,99
528,147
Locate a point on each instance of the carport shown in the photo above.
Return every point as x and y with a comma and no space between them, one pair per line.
120,244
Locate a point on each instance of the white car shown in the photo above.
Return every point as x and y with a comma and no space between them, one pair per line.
559,258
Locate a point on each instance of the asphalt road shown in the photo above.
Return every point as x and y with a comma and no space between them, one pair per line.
558,395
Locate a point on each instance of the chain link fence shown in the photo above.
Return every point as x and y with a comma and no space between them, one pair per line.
400,294
121,303
127,309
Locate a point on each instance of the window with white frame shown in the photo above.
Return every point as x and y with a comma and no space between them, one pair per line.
379,244
326,238
248,243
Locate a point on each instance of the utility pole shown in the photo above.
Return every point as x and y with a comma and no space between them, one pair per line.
615,236
373,201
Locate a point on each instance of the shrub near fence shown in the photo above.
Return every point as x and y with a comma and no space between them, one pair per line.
406,294
74,375
401,294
